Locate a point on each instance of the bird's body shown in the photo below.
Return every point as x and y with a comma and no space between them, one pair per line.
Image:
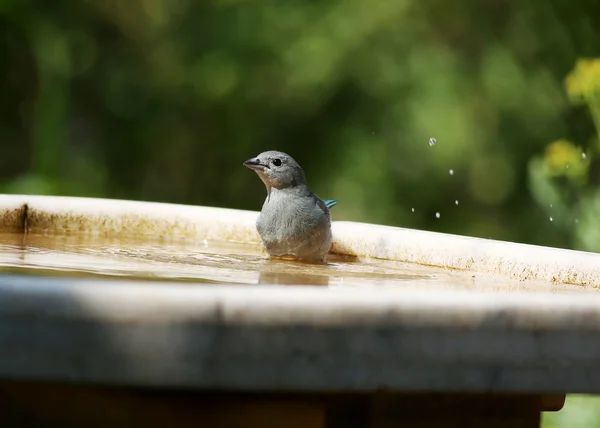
293,222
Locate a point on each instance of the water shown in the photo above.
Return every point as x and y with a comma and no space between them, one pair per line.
205,263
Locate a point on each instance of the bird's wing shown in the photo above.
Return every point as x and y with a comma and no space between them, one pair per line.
329,203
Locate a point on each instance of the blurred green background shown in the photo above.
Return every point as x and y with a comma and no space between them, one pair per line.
163,100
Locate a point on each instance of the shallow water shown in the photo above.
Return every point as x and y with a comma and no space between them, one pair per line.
225,263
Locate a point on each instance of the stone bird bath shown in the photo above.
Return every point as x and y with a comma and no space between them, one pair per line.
120,313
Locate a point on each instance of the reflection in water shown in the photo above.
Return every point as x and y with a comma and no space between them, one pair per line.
220,263
284,278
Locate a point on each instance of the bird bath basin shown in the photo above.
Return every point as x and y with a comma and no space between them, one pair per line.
172,314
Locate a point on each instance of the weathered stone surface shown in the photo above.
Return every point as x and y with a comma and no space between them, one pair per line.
297,338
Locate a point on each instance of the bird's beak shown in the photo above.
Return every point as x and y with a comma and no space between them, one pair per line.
255,164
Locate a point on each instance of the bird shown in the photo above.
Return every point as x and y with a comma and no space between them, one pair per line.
294,222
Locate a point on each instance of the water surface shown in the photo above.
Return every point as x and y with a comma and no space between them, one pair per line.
204,262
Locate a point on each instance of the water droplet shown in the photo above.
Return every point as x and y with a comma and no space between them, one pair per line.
583,156
437,215
451,172
576,220
456,202
432,141
412,209
567,166
550,205
551,219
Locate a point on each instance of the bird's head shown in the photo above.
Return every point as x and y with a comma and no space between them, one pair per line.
277,170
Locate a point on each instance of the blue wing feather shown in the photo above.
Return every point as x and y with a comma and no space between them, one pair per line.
330,202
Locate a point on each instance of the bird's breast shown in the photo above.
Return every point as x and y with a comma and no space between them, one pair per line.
292,225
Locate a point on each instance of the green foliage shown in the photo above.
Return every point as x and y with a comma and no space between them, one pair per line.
563,180
163,100
580,411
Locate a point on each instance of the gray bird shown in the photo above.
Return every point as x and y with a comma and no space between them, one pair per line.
293,222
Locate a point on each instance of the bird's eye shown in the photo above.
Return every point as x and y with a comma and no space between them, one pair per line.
277,162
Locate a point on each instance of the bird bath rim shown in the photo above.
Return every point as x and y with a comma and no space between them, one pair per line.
164,221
